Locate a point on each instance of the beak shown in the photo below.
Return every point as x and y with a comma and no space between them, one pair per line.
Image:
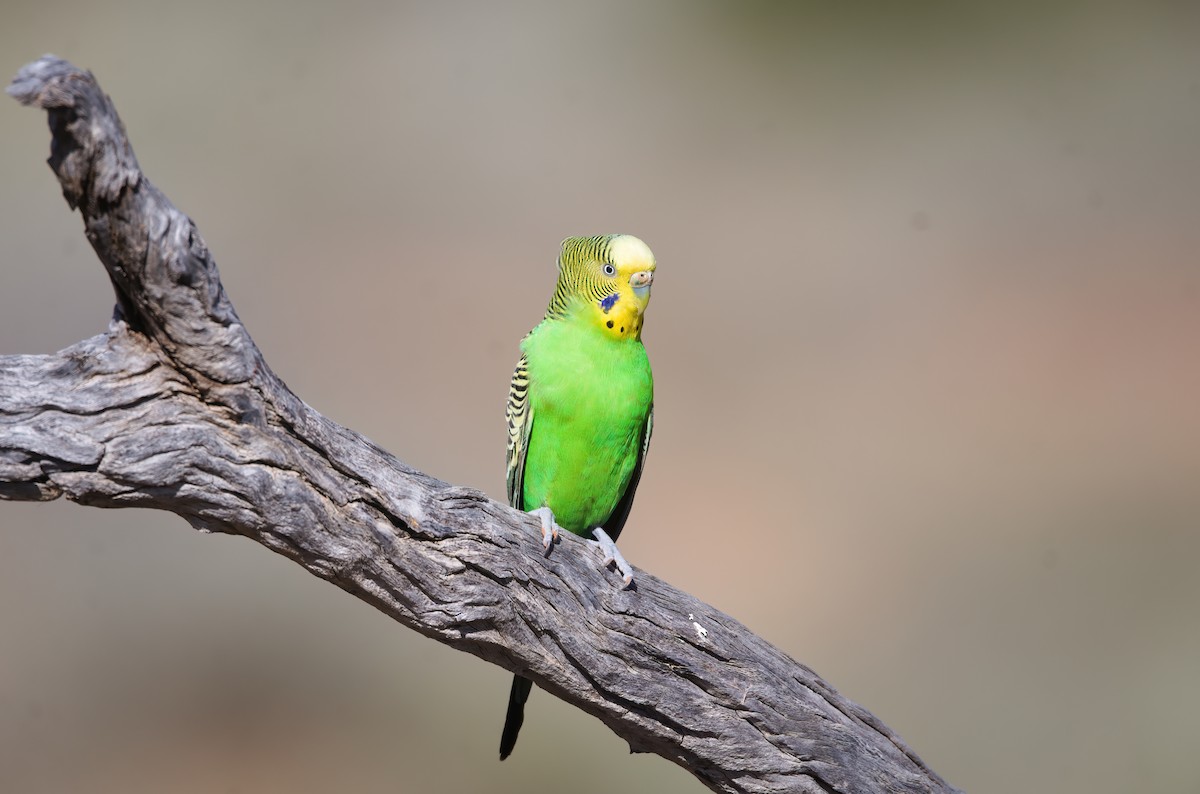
640,281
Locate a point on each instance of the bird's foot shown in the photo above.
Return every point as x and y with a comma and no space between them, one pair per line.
550,527
611,554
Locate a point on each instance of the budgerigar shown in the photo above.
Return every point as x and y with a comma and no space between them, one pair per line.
581,407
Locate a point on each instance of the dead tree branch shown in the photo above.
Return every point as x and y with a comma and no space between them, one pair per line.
174,408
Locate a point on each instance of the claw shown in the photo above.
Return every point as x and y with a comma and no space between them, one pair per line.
550,527
612,555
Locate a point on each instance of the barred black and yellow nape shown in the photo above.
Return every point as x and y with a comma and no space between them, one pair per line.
587,267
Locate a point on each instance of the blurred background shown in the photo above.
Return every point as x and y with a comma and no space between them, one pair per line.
925,334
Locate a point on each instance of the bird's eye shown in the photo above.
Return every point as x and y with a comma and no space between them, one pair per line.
609,270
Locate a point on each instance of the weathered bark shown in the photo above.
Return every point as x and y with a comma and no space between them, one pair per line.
174,408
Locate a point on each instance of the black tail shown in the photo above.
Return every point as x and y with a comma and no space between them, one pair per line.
515,716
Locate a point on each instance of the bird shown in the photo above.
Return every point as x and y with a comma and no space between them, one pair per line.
580,409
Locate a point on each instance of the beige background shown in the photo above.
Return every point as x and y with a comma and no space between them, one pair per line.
925,334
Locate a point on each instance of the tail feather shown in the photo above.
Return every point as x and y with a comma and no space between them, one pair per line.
515,716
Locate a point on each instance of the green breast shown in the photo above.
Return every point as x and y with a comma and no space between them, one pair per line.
590,395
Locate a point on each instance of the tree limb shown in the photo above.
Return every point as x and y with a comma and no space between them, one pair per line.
174,408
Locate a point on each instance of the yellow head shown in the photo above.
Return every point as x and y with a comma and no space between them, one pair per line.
611,274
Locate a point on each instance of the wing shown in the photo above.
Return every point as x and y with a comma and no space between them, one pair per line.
616,522
519,414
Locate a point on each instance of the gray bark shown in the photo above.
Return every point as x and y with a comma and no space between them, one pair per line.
174,408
